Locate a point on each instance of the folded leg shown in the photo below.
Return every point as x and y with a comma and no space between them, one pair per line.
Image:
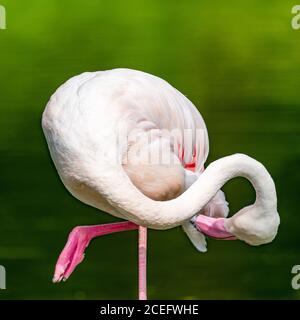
79,239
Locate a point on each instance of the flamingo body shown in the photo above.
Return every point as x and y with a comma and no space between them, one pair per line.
130,144
88,113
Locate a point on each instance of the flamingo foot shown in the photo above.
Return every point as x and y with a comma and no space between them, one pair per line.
212,227
79,239
72,254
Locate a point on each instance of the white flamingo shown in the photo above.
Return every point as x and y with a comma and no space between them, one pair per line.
85,122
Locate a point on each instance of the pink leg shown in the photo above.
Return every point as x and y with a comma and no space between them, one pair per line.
79,239
213,227
142,263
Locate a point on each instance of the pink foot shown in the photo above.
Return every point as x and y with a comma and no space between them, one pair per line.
213,227
79,239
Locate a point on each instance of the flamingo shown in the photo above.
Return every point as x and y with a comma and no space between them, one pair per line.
108,134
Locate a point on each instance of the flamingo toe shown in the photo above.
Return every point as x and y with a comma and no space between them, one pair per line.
71,256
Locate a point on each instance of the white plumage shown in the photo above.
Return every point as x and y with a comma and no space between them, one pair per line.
83,123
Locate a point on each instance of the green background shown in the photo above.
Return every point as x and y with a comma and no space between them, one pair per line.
238,61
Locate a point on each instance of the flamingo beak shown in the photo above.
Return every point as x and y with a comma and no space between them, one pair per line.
212,227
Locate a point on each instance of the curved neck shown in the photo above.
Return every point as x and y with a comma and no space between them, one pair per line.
225,169
138,208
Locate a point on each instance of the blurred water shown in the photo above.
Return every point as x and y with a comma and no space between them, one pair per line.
239,63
